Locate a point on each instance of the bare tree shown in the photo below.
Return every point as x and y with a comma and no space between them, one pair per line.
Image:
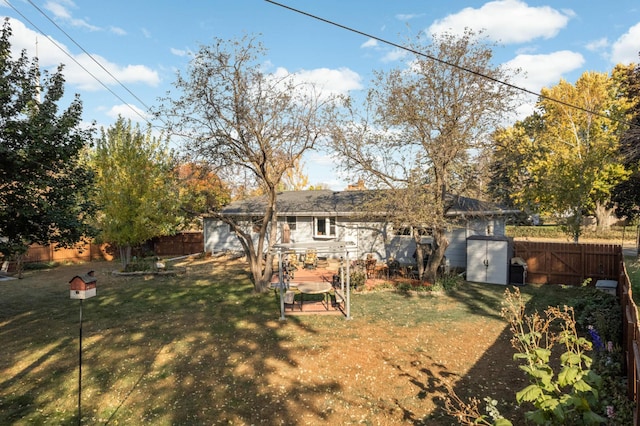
421,131
246,123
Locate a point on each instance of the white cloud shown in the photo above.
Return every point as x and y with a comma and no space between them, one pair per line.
370,43
408,16
597,45
506,21
330,81
179,52
394,55
540,71
117,31
125,74
61,13
126,111
51,53
625,49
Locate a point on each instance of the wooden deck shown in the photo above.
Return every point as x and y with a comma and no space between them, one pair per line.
313,303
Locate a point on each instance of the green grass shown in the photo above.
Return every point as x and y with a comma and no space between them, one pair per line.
202,348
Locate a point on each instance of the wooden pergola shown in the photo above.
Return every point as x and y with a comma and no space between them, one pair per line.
328,247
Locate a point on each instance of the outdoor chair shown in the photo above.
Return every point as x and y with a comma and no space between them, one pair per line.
394,268
289,265
311,259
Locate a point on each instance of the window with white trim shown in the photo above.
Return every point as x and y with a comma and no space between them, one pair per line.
324,227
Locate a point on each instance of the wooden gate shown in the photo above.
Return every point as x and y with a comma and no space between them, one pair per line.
566,263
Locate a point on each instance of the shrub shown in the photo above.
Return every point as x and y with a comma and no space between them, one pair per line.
142,265
357,278
448,282
34,266
600,310
404,287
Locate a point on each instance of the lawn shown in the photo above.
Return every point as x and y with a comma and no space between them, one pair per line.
201,348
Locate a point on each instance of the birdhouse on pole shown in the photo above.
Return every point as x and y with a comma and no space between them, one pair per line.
83,286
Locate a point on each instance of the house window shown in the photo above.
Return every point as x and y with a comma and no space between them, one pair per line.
256,224
407,231
291,221
404,231
324,227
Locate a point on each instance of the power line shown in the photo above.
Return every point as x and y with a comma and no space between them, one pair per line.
91,56
78,63
433,58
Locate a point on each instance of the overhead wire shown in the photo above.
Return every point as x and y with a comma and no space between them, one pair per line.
104,85
459,67
137,98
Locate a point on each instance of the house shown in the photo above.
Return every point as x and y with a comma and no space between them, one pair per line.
326,215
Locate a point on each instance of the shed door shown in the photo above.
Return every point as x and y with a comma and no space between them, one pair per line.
488,261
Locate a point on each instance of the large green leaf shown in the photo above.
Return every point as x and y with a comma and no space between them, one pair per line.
529,394
568,376
582,386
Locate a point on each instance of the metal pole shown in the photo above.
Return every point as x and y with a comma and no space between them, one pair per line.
80,370
281,284
348,302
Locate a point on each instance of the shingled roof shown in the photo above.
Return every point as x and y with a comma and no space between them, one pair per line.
345,203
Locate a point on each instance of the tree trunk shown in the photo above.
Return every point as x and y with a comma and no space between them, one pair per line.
125,255
419,254
440,244
20,264
602,214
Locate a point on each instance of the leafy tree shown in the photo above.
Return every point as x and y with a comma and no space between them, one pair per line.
136,187
246,124
514,149
44,187
626,195
565,159
294,178
201,191
418,131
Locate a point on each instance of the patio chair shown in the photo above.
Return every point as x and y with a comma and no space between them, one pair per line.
311,259
394,268
289,265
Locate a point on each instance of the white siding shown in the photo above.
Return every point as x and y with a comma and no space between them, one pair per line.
370,237
456,252
218,237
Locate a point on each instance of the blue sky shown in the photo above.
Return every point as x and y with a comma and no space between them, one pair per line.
143,43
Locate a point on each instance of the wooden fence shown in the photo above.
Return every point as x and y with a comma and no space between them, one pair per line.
566,263
630,340
179,244
174,245
80,253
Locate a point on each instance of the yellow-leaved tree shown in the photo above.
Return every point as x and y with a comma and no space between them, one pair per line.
136,187
564,159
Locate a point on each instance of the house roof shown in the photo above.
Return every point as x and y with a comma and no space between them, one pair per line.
345,203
